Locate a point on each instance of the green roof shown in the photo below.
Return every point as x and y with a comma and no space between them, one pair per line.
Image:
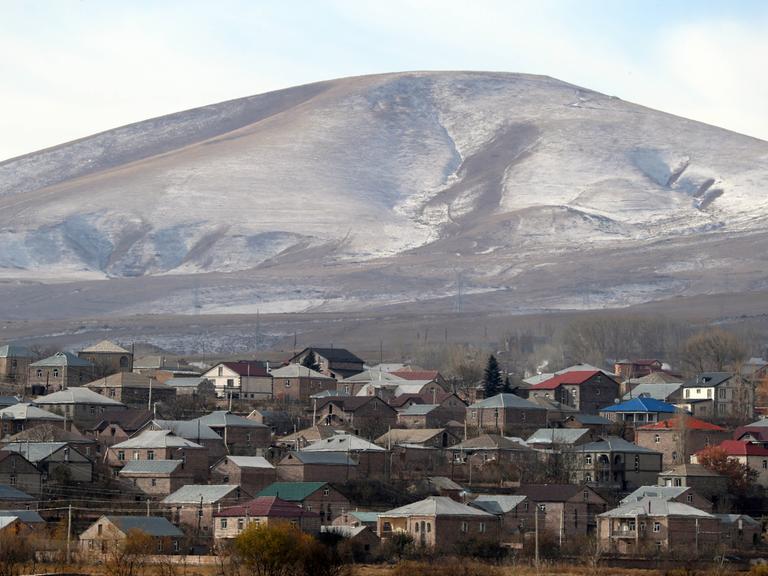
292,491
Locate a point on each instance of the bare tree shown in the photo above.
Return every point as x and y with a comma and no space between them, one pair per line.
713,350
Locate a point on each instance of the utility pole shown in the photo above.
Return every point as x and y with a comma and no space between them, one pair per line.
69,533
149,400
147,507
536,533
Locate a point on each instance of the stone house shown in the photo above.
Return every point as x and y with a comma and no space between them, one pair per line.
678,438
297,383
318,497
58,372
305,466
627,369
279,422
251,473
422,437
440,523
244,380
242,437
506,413
134,390
558,438
680,494
14,364
59,462
569,510
367,416
156,477
194,431
338,363
193,505
80,406
654,525
515,512
14,499
18,472
191,386
615,463
118,425
108,532
23,415
263,511
724,395
372,459
710,485
585,390
739,531
107,358
161,445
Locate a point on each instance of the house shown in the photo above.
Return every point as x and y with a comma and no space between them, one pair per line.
251,473
156,477
18,472
422,437
14,364
638,411
59,462
504,413
569,510
596,424
363,540
514,510
440,486
585,390
558,438
134,390
241,436
18,417
653,525
244,379
665,391
301,438
263,511
679,437
627,369
53,433
372,459
719,395
278,421
297,383
107,358
12,525
191,387
612,462
709,484
753,455
367,416
80,406
28,521
305,466
739,531
338,363
439,523
489,458
408,373
12,498
109,532
355,384
194,505
684,495
319,497
358,518
58,372
194,431
423,416
161,445
118,425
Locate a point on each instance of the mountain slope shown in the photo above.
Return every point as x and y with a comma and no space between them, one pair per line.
379,190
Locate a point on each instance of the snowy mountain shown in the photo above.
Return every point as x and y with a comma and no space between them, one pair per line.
516,191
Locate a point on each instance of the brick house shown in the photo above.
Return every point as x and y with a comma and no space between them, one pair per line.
683,495
134,390
108,532
627,369
338,363
657,525
194,431
615,463
18,417
14,364
515,511
263,511
241,436
297,383
367,416
251,473
318,497
422,437
372,459
505,413
118,425
678,438
569,509
161,445
305,466
244,379
107,358
18,472
59,462
194,505
440,523
156,477
82,407
709,484
585,390
58,372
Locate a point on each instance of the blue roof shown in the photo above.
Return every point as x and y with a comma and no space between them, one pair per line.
642,405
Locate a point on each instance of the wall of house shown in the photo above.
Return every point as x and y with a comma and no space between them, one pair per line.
59,377
195,459
677,446
295,471
252,480
16,471
109,362
14,370
300,389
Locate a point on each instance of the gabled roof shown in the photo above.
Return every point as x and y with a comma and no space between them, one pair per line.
190,429
436,506
557,435
14,351
419,409
409,435
195,493
298,371
224,418
343,443
151,467
130,419
659,377
691,470
156,439
400,401
321,458
334,354
77,395
246,368
292,491
506,401
350,403
186,382
657,391
639,362
690,423
551,492
156,526
489,442
126,380
373,376
654,507
575,377
38,451
734,518
427,375
590,419
642,405
615,444
61,359
105,347
27,411
250,462
49,433
267,506
708,379
663,492
498,503
740,448
26,516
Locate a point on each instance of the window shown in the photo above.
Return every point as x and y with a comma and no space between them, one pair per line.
588,458
481,528
709,392
765,464
326,492
99,529
39,373
689,497
135,454
13,480
464,527
248,437
525,506
585,495
121,455
429,527
678,481
417,526
587,477
221,371
657,526
159,545
722,393
112,392
687,392
287,384
175,545
240,523
543,507
230,382
657,439
150,454
93,409
223,523
154,482
55,373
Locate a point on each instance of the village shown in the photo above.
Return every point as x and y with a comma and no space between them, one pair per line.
619,463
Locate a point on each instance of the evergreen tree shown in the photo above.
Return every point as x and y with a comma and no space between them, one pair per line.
507,388
492,382
310,361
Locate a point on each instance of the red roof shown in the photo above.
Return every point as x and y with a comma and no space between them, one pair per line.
690,424
247,367
575,378
267,506
417,374
740,448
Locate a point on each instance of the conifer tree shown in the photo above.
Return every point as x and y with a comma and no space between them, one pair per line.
492,382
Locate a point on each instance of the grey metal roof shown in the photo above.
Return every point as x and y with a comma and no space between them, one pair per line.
435,506
654,507
193,493
298,371
150,466
506,401
591,420
36,451
733,518
77,395
27,411
10,493
557,435
325,458
61,359
615,444
27,516
419,409
497,503
343,443
157,439
14,351
663,492
190,429
222,418
656,391
250,462
185,382
151,525
708,379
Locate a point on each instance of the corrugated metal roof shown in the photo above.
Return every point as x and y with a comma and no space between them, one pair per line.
36,451
150,466
506,401
106,347
250,462
77,395
157,439
14,351
497,503
654,507
27,411
557,435
292,491
10,493
324,458
153,525
190,429
222,418
343,443
298,371
193,493
615,444
643,405
61,359
663,492
435,506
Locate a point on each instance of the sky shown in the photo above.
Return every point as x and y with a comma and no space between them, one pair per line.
70,68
